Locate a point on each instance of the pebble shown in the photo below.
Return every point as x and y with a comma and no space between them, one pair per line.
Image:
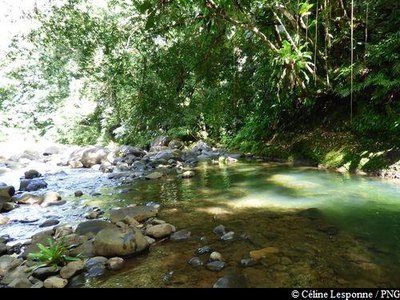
50,222
216,256
220,230
248,262
180,235
204,250
195,262
215,266
228,236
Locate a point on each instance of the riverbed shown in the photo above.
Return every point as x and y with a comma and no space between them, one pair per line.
331,229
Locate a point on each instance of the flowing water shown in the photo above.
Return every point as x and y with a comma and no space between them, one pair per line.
332,230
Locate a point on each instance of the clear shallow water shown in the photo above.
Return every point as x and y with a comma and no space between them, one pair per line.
353,240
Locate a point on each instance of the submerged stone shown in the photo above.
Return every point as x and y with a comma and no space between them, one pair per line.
216,266
231,281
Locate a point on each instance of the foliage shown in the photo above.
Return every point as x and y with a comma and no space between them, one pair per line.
54,254
239,72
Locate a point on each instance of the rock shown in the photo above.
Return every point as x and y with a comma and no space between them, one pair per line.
3,248
228,236
16,273
200,146
40,237
30,199
96,270
37,285
116,242
77,281
93,215
93,156
130,221
86,249
93,226
154,175
215,266
159,231
180,235
9,206
231,281
45,272
50,222
32,174
50,197
175,144
78,193
58,203
62,230
125,150
55,282
4,219
7,191
75,164
258,254
21,282
71,269
195,262
216,256
31,185
150,240
97,260
248,262
204,250
188,174
139,213
115,263
219,230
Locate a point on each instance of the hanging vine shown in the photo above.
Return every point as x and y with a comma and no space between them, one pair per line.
351,59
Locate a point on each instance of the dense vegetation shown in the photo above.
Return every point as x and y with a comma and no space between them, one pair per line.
250,74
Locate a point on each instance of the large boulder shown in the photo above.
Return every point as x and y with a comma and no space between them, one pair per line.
93,156
93,226
118,242
139,213
31,185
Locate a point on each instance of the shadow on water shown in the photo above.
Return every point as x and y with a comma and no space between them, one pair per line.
350,240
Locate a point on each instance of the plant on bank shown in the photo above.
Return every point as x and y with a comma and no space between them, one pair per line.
52,255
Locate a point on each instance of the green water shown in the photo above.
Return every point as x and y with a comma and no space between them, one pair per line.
267,203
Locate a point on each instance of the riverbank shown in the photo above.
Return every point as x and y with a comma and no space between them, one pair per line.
40,208
327,149
180,210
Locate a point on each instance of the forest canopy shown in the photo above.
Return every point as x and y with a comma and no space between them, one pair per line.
236,72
